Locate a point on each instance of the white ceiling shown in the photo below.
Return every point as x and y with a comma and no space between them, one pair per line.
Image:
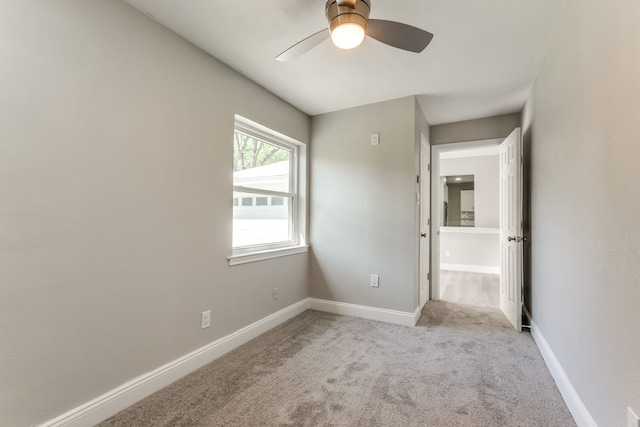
482,61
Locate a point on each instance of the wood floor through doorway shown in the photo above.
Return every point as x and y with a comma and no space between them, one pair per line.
477,289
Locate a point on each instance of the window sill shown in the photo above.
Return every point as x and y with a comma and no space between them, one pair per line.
260,256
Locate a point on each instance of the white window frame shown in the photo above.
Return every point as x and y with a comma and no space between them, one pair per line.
297,195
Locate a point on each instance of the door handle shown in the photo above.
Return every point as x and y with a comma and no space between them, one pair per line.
512,239
517,239
423,234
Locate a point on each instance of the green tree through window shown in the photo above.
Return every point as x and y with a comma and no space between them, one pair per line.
265,181
250,152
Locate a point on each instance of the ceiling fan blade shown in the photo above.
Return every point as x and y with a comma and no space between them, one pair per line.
303,46
399,35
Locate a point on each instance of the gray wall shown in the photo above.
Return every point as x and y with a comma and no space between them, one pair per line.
475,130
115,203
363,207
470,249
581,123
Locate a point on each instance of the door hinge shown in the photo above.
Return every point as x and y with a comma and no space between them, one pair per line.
429,167
428,277
418,179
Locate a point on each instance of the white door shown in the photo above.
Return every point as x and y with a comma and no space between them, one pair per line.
511,228
425,209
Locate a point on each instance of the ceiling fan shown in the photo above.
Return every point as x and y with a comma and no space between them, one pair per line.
349,23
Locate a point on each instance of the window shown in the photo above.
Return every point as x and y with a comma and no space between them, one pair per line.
266,168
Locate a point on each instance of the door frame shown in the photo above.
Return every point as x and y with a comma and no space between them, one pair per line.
424,288
437,199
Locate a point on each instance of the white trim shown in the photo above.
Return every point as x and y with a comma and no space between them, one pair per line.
486,269
576,407
131,392
421,306
466,145
469,230
417,314
272,253
493,150
298,221
259,131
437,197
363,311
260,192
137,389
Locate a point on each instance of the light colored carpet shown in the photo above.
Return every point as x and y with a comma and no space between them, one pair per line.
462,366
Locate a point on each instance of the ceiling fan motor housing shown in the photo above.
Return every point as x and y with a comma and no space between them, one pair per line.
347,12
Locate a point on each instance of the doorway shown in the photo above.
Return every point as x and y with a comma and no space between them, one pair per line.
498,224
465,212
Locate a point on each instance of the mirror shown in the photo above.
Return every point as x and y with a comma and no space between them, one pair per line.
459,201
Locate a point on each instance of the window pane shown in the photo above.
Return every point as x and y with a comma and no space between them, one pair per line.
247,201
259,164
261,201
235,201
277,201
261,224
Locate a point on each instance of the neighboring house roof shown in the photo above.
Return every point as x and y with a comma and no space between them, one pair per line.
273,169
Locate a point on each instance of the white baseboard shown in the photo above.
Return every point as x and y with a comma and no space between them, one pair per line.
417,314
137,389
576,407
471,268
114,401
363,311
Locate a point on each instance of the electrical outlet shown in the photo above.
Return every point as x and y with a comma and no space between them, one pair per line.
375,139
275,294
206,319
374,280
632,418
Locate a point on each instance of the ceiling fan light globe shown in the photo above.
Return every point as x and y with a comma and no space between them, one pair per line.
347,35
